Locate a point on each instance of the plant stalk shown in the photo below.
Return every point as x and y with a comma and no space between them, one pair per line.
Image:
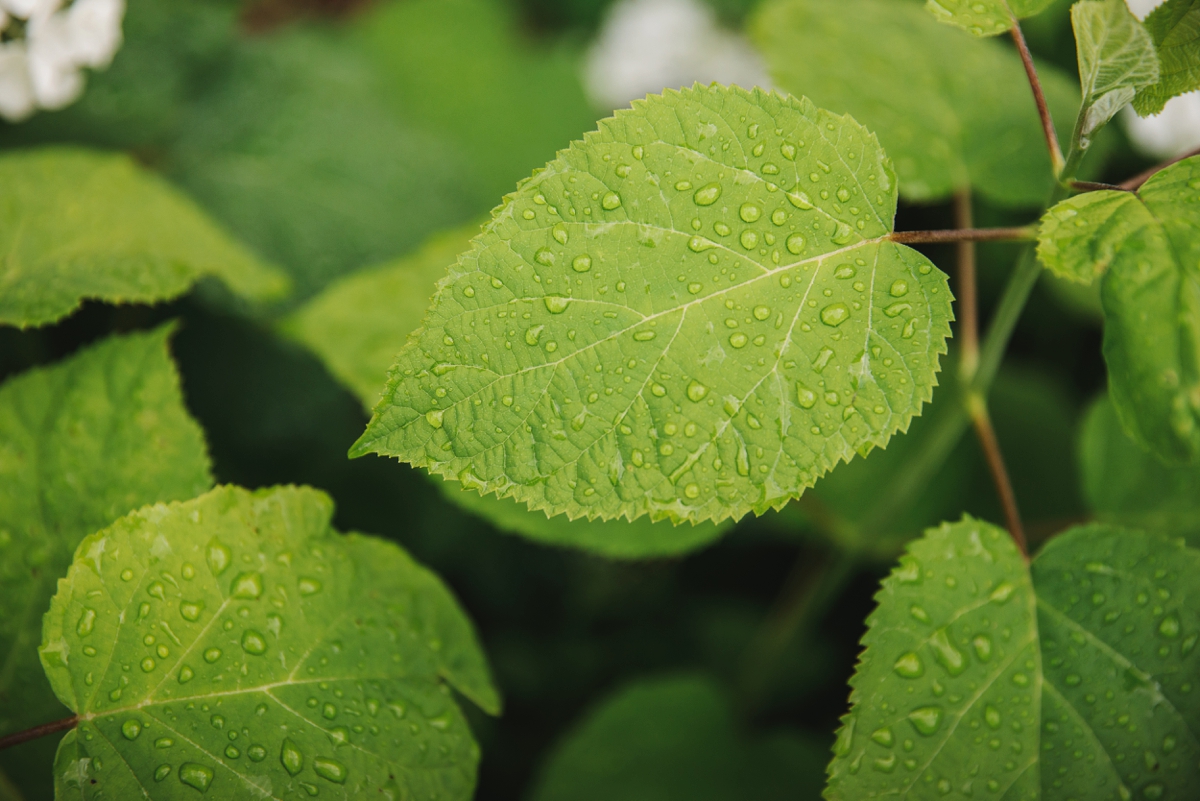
968,326
1135,183
977,408
1017,234
1057,162
16,738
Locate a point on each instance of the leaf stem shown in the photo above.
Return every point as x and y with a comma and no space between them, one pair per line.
19,737
1096,186
1017,234
1056,156
968,326
977,408
1135,183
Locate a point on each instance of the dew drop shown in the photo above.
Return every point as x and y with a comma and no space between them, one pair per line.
983,647
795,244
308,585
253,642
909,666
162,772
130,729
290,757
434,417
899,288
87,623
330,770
610,201
212,655
749,239
186,674
799,200
556,304
926,720
190,610
218,557
256,753
148,664
835,314
696,391
805,396
195,775
749,212
1169,627
707,194
581,263
948,656
643,336
738,339
248,585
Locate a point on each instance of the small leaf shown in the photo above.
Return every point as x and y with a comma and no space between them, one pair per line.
1175,27
359,323
80,225
985,17
949,110
675,318
1147,247
1116,58
1073,679
675,738
236,645
1124,484
81,443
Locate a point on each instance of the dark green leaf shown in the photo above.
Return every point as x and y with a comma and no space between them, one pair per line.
1116,59
1175,27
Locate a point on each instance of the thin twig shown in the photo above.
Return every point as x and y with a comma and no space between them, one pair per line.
977,408
19,737
1096,186
968,327
1056,155
1135,183
1021,233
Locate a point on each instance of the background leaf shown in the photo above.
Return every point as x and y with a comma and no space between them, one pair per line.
960,688
1125,484
358,324
606,278
950,111
674,738
1116,58
80,224
1175,27
1151,297
236,643
81,443
985,17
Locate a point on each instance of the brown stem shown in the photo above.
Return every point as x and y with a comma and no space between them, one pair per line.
968,327
1095,186
965,235
1056,155
19,737
977,408
1135,183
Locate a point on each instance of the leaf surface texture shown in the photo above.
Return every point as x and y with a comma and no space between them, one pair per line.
1116,58
236,645
1175,27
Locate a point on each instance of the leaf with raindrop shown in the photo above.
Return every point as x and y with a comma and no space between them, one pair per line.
1070,678
1145,246
950,111
1116,59
1175,28
237,646
82,442
85,225
985,17
694,313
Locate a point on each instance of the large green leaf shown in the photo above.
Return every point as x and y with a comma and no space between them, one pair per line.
76,224
1126,485
81,443
693,313
236,645
1175,27
1071,680
674,738
985,17
1116,58
1148,247
358,324
950,111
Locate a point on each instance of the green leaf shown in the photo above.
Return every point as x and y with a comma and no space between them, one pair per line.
675,738
692,314
1070,680
1124,484
236,645
359,323
950,111
81,443
1148,249
1116,59
1175,27
985,17
78,224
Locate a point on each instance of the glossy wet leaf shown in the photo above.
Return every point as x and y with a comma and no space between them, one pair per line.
236,645
1146,245
1070,679
359,324
1125,484
692,314
82,442
1116,58
1175,28
950,111
951,660
675,737
78,224
985,17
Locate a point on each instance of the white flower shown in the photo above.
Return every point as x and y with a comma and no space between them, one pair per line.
45,69
1172,132
645,46
16,91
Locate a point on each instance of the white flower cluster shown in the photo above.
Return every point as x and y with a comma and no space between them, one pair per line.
45,44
